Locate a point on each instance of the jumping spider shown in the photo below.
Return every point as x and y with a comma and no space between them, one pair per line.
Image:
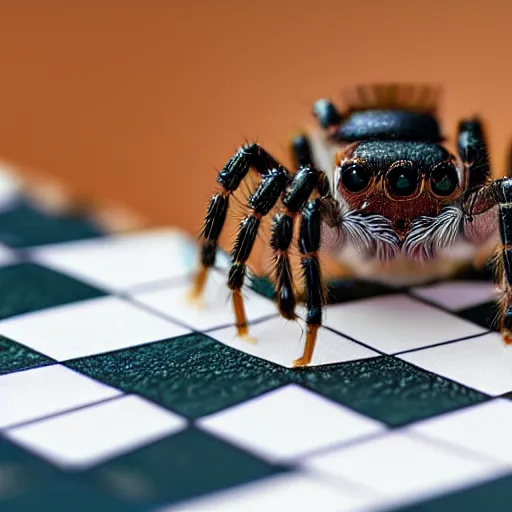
396,195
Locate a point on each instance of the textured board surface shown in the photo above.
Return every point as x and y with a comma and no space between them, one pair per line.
118,395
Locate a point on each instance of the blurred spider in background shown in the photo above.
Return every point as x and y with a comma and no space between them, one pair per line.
380,189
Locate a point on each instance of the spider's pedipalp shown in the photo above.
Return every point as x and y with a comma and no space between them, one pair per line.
430,235
373,235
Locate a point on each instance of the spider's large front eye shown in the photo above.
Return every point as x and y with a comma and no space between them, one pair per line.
402,180
355,178
444,179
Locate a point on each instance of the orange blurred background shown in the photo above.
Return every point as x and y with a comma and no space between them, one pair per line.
138,102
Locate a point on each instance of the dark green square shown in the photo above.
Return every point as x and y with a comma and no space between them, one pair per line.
23,225
388,389
28,287
66,493
20,472
483,314
193,375
182,466
488,496
15,357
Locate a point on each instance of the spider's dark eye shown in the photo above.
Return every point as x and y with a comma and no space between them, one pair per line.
355,178
402,180
444,179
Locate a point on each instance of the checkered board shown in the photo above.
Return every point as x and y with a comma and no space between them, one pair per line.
116,394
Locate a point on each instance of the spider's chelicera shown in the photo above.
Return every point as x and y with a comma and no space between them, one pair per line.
380,177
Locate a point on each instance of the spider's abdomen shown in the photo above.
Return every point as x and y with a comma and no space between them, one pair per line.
383,124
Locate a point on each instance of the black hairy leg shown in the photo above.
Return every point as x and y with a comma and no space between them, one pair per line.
229,178
301,187
309,244
274,179
473,151
306,182
271,186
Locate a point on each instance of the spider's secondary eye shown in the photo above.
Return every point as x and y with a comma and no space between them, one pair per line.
355,178
402,180
444,180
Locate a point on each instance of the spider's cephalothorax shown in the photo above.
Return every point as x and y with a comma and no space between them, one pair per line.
393,194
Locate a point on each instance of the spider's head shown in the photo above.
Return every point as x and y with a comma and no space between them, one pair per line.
400,180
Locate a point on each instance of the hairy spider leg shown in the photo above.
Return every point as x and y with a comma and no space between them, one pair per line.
473,151
303,184
274,180
306,182
309,243
283,224
229,178
280,241
261,202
